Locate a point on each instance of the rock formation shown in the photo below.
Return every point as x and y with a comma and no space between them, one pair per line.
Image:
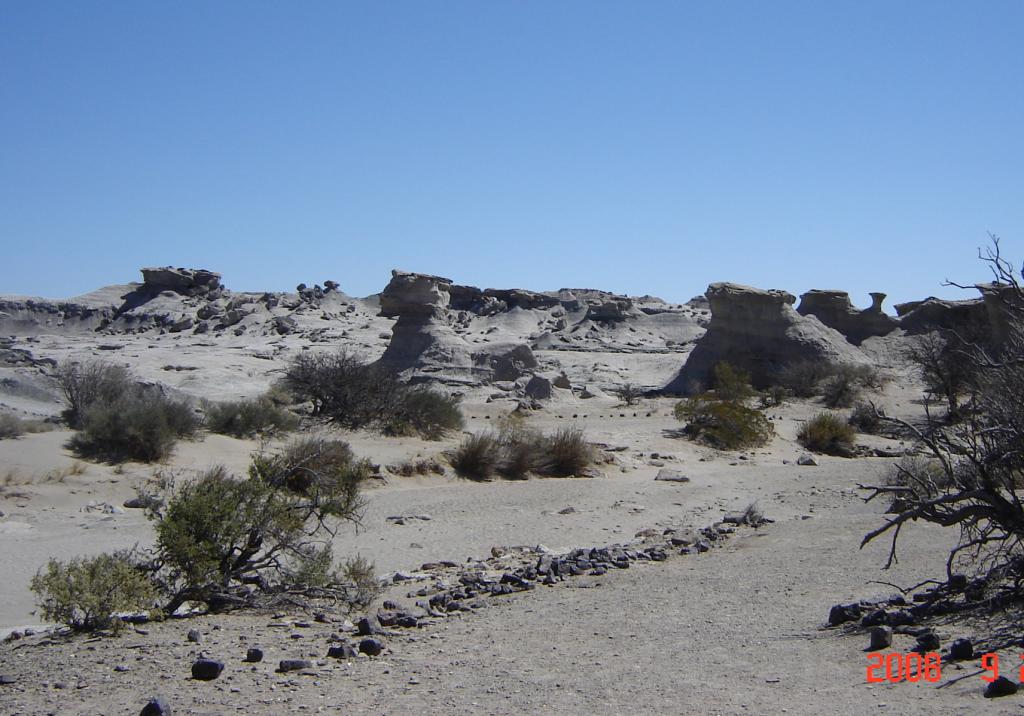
424,344
759,331
936,313
834,309
188,282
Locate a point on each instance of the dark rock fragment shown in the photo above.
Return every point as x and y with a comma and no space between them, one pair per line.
207,669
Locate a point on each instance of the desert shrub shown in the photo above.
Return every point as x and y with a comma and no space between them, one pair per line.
568,453
354,394
224,541
724,424
827,433
840,390
944,362
90,383
838,384
417,467
342,388
865,418
517,451
11,426
773,396
628,393
477,457
141,424
243,418
801,378
424,412
731,383
88,593
359,575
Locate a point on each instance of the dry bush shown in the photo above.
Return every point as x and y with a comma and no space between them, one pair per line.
11,427
865,418
723,424
827,433
568,454
90,383
354,394
141,425
628,393
945,363
840,391
802,378
516,452
426,466
244,418
477,457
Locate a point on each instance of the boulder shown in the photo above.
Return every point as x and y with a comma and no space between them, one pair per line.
834,309
759,331
538,388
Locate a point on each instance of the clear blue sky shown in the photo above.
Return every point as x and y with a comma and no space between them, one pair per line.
648,147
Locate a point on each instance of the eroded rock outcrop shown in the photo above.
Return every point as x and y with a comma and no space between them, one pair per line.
936,313
188,282
759,331
835,310
424,344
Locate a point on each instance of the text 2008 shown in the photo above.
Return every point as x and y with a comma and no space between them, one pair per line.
914,667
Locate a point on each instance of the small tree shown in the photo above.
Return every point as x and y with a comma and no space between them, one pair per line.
225,542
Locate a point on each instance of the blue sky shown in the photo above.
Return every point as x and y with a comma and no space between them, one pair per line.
647,147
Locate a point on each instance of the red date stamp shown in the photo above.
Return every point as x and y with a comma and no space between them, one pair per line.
914,667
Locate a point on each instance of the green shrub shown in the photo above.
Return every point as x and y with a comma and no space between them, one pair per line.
731,383
827,433
724,424
88,593
140,425
477,457
243,418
